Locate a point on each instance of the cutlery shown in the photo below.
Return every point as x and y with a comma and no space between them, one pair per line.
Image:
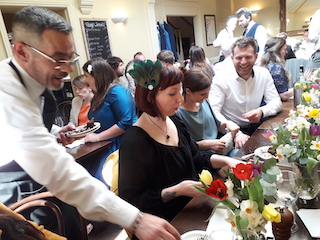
247,156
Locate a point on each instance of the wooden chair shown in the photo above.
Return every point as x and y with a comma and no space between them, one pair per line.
64,110
43,200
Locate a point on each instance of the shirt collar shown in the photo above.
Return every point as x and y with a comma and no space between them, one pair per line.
34,88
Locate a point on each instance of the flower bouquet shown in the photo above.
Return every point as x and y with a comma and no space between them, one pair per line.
299,143
248,190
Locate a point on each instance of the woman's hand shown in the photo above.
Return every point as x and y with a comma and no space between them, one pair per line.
214,144
184,188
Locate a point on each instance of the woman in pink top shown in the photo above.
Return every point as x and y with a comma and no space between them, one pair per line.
81,104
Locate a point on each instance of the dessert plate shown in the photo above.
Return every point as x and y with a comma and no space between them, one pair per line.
82,131
194,235
262,152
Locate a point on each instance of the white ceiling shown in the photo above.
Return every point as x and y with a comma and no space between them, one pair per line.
294,6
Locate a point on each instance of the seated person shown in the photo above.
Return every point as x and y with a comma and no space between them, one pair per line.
80,105
14,226
236,94
273,60
112,106
159,162
166,56
197,114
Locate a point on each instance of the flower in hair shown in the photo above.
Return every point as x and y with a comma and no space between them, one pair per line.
89,68
146,74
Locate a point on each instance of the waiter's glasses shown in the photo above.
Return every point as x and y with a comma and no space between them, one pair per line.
60,63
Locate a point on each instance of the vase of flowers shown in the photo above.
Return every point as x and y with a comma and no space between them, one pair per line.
299,143
308,182
246,193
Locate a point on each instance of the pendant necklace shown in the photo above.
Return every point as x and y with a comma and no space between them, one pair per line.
165,131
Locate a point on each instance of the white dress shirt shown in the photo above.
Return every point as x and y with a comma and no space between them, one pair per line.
26,140
224,36
231,96
314,30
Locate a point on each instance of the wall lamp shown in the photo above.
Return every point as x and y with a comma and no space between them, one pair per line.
119,20
254,10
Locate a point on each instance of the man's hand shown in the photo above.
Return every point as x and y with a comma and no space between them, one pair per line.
254,115
154,228
63,138
241,139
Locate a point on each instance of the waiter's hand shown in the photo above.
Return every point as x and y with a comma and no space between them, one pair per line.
63,138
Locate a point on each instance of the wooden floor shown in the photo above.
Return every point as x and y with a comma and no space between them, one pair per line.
107,231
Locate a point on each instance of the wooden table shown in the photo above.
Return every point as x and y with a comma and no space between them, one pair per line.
280,117
87,150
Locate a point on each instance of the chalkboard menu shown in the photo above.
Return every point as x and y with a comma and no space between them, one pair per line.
96,38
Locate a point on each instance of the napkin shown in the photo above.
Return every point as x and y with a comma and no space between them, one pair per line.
76,143
310,218
218,222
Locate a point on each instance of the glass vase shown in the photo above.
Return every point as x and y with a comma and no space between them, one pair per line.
245,234
308,184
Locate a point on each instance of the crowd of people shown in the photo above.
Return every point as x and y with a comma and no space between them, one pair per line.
167,122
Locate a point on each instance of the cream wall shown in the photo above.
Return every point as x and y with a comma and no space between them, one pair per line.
139,32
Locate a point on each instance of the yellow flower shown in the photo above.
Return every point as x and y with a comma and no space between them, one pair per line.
206,177
297,84
315,145
307,96
271,214
314,113
304,86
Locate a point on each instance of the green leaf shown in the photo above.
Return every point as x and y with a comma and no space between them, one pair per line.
311,164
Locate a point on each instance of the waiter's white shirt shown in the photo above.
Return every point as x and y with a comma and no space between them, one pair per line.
25,139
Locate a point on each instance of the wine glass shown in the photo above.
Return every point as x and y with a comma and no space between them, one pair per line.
287,193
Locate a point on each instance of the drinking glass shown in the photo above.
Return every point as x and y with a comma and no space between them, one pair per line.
288,192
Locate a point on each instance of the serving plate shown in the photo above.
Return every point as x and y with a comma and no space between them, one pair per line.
82,131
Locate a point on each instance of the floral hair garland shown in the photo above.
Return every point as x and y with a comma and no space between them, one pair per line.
146,74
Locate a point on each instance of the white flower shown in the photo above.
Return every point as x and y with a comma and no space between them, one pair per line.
230,186
89,68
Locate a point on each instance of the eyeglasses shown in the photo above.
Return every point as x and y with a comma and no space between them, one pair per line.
60,63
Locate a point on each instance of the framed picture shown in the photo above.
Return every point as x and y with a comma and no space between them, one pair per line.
210,27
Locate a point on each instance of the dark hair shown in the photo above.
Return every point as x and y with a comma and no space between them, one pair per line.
32,21
13,229
243,42
244,11
145,99
196,80
114,61
136,54
198,59
80,81
103,75
166,56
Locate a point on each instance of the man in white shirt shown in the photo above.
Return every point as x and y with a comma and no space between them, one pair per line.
236,93
43,50
252,29
314,35
225,36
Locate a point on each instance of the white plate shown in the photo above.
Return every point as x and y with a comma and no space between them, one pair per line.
193,235
262,152
81,131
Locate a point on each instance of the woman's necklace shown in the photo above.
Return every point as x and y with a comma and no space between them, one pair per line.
165,131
